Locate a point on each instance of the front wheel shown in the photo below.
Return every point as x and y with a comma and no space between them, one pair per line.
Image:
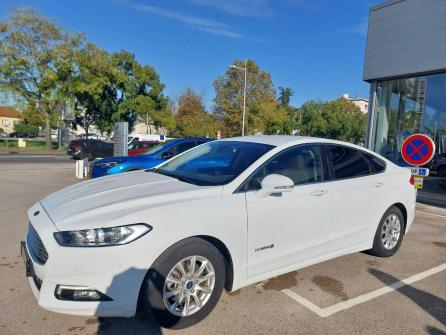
184,284
390,232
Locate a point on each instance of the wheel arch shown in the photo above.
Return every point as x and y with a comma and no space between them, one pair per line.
229,273
403,210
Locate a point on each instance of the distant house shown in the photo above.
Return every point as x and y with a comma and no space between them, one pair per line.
362,103
8,117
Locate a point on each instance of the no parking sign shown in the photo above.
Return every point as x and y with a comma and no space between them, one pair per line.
418,150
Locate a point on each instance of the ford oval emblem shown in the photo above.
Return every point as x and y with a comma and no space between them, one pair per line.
36,213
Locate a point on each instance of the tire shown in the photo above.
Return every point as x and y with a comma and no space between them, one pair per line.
384,243
155,287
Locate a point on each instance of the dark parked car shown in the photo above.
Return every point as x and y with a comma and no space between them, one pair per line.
19,134
91,149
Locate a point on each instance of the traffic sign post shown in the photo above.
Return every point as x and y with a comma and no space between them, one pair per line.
418,150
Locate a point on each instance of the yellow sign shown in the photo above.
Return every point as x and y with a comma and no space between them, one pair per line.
418,182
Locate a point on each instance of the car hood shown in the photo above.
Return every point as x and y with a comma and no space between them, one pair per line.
105,201
111,159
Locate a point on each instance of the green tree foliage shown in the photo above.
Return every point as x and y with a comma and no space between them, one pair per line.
36,58
108,88
24,127
285,94
293,120
191,119
91,88
339,119
139,92
262,114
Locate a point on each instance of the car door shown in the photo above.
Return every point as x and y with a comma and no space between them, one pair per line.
290,227
357,193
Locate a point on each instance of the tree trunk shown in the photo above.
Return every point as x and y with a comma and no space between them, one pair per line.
49,143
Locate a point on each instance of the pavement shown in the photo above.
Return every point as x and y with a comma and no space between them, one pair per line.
354,294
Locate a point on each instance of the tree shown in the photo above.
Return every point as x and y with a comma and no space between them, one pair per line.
292,123
92,88
36,58
192,120
139,92
109,88
260,99
339,119
285,94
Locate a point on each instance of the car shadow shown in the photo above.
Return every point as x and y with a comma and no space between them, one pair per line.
138,325
143,322
431,304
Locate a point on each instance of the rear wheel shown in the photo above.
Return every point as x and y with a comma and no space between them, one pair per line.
184,284
390,232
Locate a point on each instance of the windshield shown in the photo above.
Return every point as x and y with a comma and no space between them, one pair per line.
157,148
214,163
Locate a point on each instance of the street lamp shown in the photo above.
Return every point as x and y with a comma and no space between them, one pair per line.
245,69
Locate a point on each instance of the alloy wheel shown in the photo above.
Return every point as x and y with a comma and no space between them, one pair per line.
390,232
189,285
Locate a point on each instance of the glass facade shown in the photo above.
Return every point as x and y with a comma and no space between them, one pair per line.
407,106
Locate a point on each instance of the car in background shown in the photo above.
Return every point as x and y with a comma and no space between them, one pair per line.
91,149
19,134
151,158
3,134
146,137
140,147
438,164
224,215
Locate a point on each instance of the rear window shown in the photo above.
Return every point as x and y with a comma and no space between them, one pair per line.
378,164
347,162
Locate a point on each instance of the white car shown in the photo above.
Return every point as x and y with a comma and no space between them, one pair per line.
225,214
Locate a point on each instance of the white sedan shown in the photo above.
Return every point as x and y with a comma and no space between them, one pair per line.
223,215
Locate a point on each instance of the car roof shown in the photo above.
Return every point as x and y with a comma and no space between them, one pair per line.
276,140
288,140
190,139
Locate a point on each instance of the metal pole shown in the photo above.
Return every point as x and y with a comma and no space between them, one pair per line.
244,100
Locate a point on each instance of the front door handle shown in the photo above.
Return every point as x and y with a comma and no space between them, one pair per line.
378,184
319,193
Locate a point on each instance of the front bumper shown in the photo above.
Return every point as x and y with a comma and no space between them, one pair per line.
116,271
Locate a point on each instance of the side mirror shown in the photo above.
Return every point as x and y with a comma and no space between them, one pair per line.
276,183
167,155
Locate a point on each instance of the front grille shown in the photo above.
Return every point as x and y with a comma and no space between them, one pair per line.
35,246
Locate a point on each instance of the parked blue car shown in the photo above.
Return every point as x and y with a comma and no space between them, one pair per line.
151,158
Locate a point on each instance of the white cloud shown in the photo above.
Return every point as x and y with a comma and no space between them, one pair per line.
196,22
239,7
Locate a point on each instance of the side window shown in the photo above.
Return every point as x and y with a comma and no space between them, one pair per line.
378,164
301,164
178,149
347,162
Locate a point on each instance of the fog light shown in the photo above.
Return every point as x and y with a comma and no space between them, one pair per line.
79,293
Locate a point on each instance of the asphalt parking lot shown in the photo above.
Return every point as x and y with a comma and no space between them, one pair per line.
354,294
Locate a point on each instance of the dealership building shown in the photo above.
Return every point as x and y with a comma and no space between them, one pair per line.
405,64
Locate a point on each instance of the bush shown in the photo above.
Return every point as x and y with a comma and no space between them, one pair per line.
23,127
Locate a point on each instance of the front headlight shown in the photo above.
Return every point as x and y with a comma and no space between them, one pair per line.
102,237
108,164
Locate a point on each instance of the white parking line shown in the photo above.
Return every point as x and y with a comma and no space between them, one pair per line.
441,216
324,312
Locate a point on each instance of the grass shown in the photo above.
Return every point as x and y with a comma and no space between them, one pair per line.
31,146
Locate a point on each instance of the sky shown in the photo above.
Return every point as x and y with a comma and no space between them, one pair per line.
316,47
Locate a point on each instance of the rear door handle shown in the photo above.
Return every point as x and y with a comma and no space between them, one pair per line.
319,193
378,184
